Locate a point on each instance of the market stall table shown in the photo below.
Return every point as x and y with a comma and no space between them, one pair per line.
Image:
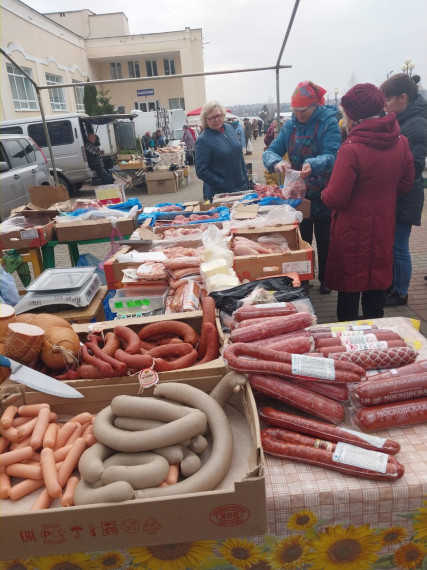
131,177
93,312
316,515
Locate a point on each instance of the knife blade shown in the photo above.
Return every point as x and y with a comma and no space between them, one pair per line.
41,382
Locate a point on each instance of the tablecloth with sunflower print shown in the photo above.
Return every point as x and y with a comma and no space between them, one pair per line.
318,519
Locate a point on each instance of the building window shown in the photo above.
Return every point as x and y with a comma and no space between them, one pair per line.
133,67
57,96
169,65
23,92
79,93
116,70
151,68
177,103
121,109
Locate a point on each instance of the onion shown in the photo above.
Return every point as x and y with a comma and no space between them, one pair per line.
23,342
60,348
43,320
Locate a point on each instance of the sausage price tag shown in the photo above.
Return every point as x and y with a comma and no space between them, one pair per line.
315,367
147,378
359,457
372,439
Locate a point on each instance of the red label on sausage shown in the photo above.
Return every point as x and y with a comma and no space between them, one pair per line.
229,515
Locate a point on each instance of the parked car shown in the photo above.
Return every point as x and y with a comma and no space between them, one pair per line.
22,164
68,135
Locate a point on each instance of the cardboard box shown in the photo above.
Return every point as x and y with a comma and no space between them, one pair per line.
237,507
304,207
135,165
161,182
300,259
110,194
126,157
92,229
192,318
29,238
45,197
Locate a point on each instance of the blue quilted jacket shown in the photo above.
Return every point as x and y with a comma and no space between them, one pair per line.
328,142
220,163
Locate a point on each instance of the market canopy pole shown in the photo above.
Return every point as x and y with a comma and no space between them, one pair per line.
278,66
42,113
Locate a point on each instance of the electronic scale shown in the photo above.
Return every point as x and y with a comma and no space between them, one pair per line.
60,289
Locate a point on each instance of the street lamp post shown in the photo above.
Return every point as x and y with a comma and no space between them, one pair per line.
408,66
336,91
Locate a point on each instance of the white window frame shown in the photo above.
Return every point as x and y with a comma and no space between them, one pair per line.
79,93
133,69
151,67
168,64
57,96
116,70
177,103
26,98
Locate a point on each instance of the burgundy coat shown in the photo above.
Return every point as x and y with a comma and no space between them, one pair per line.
372,167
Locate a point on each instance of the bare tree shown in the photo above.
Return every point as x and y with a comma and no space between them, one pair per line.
352,80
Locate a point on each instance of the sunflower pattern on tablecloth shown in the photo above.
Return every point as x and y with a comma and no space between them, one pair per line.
312,545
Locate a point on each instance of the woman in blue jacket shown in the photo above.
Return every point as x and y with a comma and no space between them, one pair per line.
219,157
311,137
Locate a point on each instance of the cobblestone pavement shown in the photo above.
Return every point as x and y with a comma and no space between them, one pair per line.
324,305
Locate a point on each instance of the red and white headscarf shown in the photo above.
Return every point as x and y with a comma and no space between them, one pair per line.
308,94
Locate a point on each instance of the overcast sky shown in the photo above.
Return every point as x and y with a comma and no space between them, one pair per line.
334,43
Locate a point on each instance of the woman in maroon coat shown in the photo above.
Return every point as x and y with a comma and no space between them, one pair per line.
372,167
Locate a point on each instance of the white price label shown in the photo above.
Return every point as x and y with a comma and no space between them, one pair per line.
372,439
359,457
313,367
301,267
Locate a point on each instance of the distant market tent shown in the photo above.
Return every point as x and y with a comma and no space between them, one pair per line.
197,111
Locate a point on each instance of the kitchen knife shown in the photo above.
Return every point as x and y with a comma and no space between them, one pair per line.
38,381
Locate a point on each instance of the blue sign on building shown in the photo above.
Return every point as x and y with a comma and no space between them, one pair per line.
144,92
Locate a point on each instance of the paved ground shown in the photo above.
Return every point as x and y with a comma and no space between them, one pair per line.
325,305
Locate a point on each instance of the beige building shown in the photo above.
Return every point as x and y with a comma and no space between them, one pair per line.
74,47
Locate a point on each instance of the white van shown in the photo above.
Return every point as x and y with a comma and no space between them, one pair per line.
68,136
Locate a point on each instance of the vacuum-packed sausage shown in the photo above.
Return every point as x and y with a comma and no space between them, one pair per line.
326,431
386,416
281,325
379,358
392,390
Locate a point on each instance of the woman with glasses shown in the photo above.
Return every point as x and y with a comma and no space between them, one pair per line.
219,158
311,137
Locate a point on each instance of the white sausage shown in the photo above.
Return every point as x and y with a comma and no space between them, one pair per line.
146,440
229,384
86,494
219,461
190,464
198,444
135,424
139,469
91,462
148,408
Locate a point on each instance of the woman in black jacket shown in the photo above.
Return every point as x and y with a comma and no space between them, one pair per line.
402,98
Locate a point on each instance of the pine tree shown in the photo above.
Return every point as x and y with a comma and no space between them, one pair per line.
104,103
90,100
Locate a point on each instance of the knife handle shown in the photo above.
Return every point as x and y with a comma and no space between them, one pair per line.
4,361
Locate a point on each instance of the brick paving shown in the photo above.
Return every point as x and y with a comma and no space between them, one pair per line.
324,305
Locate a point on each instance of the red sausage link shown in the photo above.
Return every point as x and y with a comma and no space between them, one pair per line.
170,351
285,336
129,337
161,365
298,439
390,390
299,397
323,458
381,344
281,325
337,392
380,358
298,345
116,365
418,367
370,338
99,363
212,343
88,371
249,358
112,343
326,431
169,328
209,310
263,311
386,416
134,361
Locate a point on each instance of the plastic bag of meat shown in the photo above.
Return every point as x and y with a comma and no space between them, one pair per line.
257,296
294,186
